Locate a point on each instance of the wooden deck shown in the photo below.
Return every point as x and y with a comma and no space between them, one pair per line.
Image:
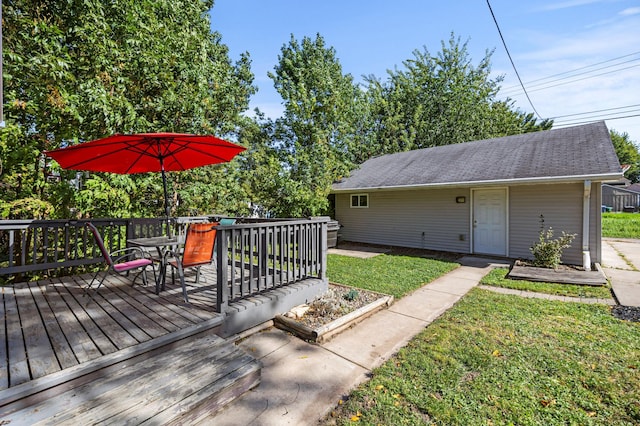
127,357
51,326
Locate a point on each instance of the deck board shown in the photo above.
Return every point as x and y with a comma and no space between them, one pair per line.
50,325
101,314
62,349
163,316
42,360
84,316
135,312
18,367
84,349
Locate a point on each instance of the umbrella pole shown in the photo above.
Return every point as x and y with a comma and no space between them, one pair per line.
166,196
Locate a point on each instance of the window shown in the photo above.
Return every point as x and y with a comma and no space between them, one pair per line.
360,201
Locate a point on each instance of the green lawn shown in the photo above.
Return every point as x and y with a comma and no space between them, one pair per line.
621,225
389,274
504,360
497,278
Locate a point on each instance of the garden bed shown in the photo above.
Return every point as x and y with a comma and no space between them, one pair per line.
338,309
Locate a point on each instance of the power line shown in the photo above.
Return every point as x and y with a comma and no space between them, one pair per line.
511,60
574,81
591,121
597,110
610,116
548,84
581,68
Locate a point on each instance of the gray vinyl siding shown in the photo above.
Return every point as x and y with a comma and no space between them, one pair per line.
399,218
428,219
561,205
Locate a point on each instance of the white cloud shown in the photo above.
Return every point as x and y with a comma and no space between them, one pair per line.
547,53
570,4
630,11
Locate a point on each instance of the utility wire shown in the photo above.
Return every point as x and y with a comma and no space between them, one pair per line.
609,116
511,60
581,68
591,121
545,85
598,110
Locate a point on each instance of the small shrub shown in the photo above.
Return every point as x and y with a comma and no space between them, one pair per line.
547,252
351,295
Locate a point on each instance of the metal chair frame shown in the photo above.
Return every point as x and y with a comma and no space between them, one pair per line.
198,251
121,261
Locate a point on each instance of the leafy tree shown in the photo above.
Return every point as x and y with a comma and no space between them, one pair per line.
80,70
318,130
628,154
440,100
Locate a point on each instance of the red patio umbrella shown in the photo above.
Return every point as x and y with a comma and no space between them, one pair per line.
146,152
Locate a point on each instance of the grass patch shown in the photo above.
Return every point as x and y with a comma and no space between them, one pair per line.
497,278
504,360
389,274
621,225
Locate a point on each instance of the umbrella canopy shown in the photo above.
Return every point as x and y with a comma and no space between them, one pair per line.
146,152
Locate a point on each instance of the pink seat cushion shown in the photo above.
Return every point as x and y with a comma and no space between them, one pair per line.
132,264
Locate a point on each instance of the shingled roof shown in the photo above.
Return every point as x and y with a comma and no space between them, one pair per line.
559,155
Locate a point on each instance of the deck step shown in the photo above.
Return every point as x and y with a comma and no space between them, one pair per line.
174,385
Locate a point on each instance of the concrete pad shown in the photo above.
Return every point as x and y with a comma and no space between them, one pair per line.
362,252
625,286
622,276
376,339
627,294
483,262
424,304
630,249
300,383
611,257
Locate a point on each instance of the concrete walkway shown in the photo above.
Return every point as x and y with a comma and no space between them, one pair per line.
302,382
621,264
533,295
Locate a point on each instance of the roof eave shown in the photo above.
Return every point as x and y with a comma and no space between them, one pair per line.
518,181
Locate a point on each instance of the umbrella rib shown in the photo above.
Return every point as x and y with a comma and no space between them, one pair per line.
164,148
182,145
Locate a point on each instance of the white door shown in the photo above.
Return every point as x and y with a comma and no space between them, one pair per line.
490,221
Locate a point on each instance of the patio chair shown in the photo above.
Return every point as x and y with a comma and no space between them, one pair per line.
121,261
198,251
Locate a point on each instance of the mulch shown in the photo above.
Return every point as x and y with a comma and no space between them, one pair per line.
628,313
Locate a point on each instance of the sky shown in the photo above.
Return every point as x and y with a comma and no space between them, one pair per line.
573,56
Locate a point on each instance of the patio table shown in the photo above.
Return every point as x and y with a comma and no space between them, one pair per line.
161,244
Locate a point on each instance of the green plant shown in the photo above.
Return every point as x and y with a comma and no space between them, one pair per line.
547,252
501,359
351,295
395,275
621,225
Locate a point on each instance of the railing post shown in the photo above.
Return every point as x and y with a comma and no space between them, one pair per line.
11,246
222,273
323,251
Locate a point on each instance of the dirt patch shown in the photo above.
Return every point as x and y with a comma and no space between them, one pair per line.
627,313
337,302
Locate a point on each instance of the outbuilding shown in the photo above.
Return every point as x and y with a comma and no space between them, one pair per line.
489,197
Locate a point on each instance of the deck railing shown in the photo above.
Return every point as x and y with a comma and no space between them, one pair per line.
264,256
259,254
31,248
